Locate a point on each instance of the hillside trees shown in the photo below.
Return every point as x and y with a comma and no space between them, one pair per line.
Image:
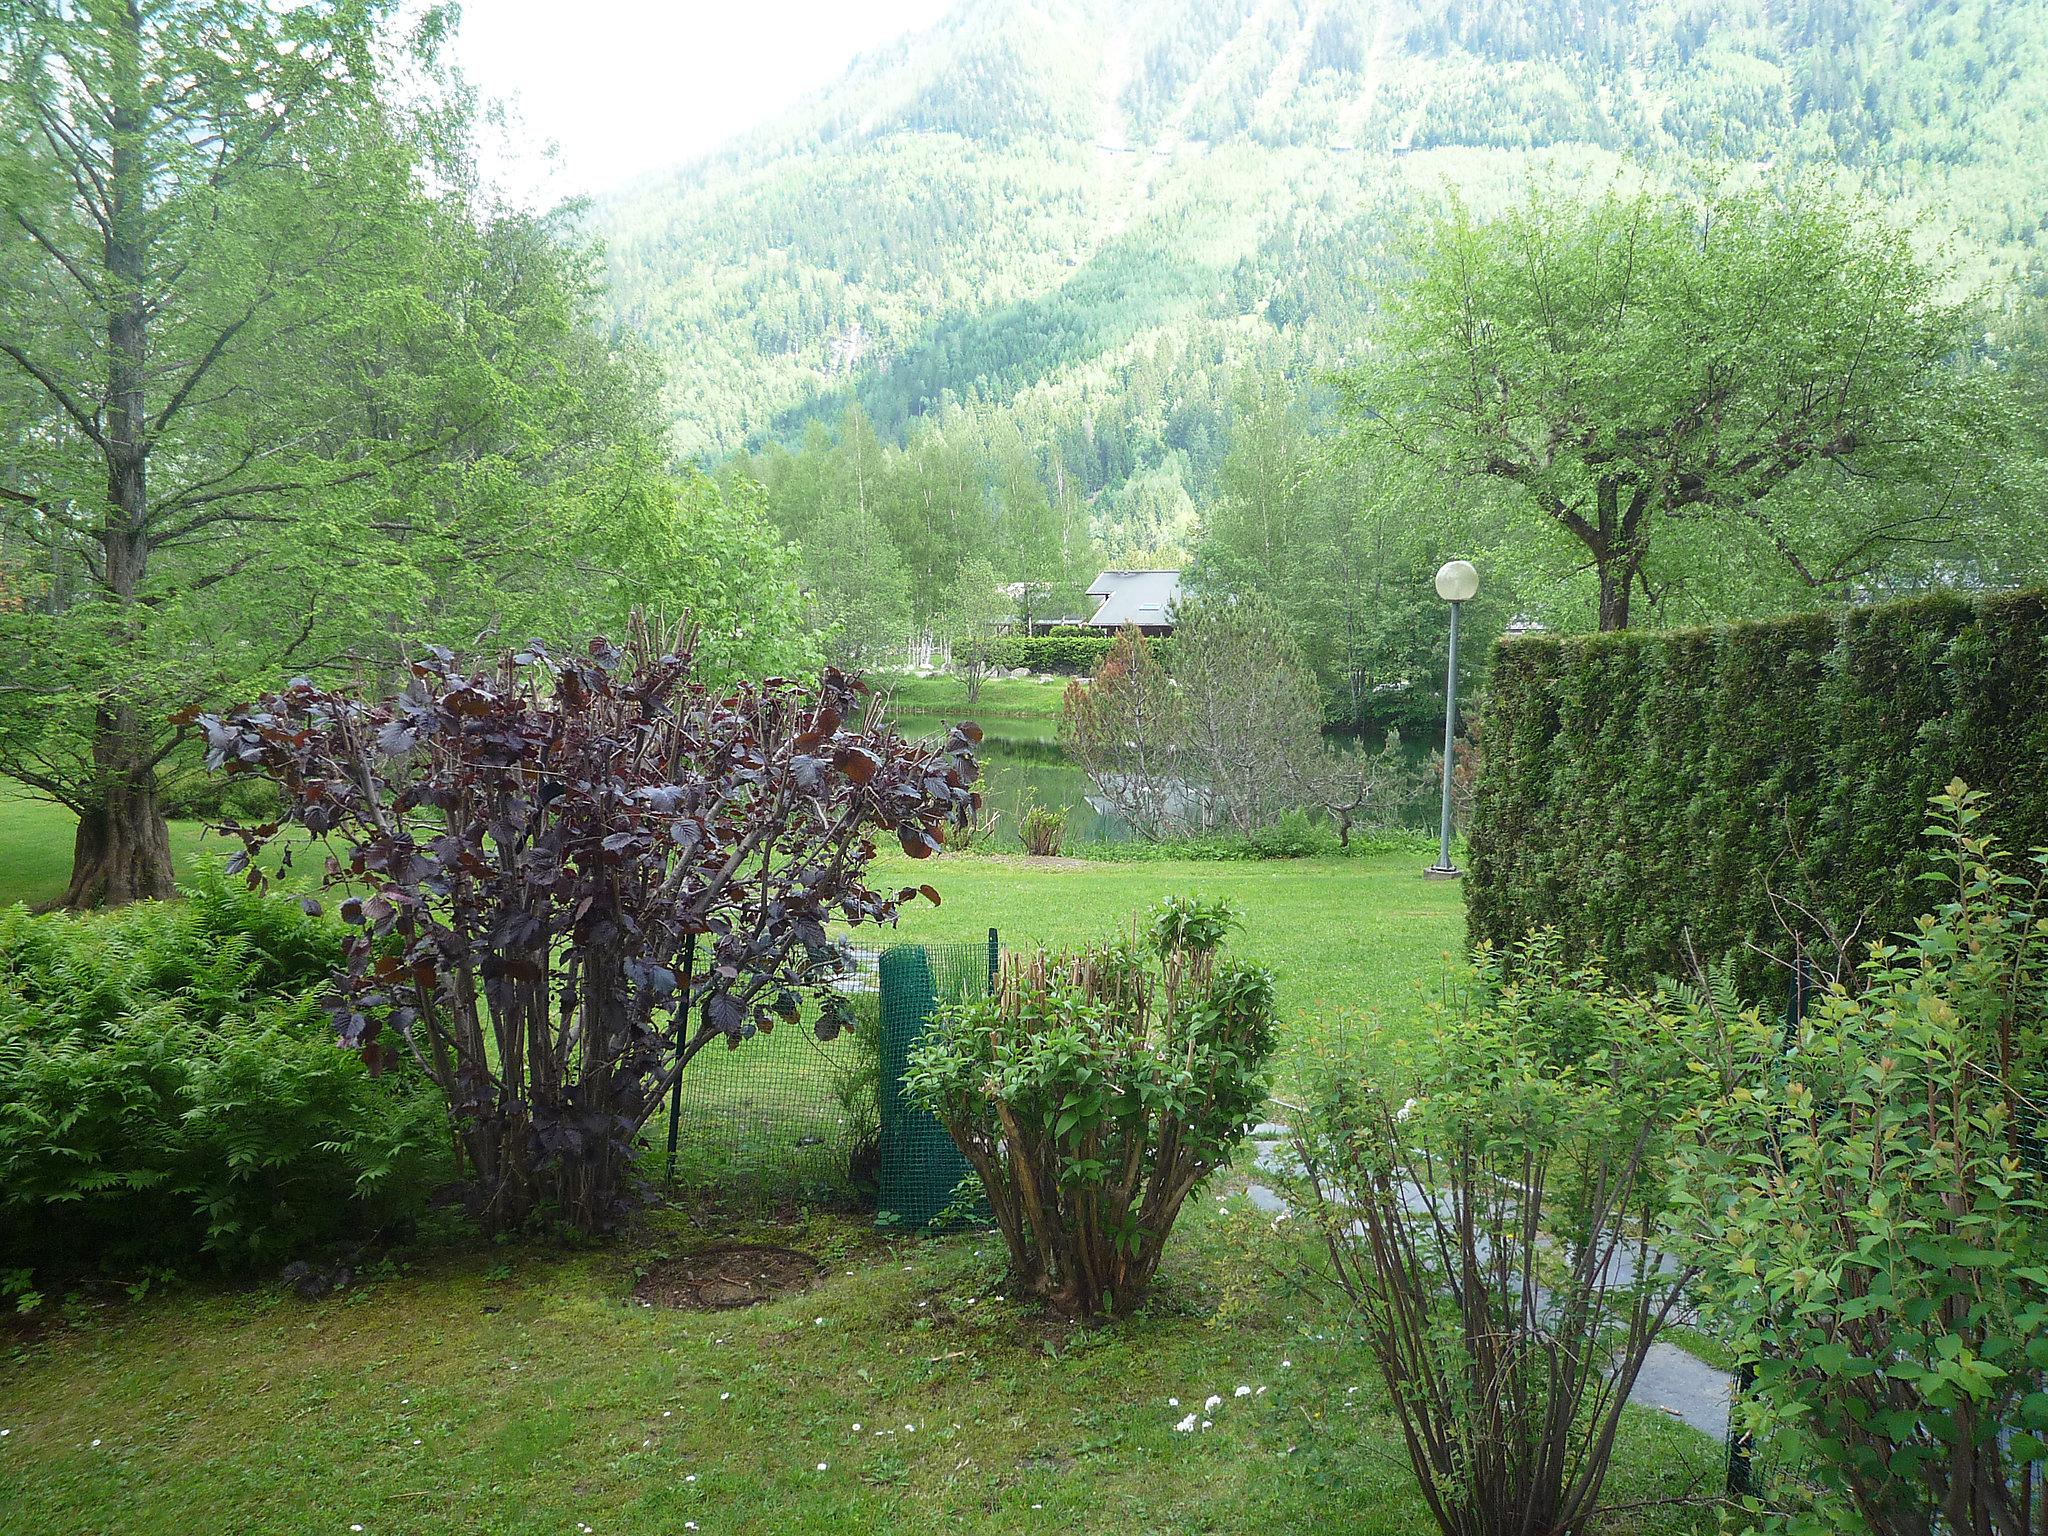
888,536
280,401
1757,383
1344,547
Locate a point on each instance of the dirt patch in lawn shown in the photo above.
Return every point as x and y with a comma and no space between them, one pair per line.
727,1275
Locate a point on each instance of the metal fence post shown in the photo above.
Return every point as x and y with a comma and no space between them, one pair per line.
675,1093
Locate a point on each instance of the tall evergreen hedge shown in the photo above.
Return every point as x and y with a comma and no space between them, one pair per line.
1640,787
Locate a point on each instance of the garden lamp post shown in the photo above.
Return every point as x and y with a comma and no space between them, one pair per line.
1457,582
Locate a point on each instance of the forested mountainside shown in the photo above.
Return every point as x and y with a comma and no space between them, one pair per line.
1076,221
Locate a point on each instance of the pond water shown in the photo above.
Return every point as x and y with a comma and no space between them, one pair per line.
1022,762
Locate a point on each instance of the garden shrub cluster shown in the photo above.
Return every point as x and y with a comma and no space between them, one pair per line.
170,1089
1852,1198
1539,1093
1069,652
1093,1092
1736,785
1867,1195
566,875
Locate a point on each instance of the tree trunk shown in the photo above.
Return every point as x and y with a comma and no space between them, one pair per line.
122,851
1615,579
123,848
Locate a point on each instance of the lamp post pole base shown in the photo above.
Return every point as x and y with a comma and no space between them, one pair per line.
1443,872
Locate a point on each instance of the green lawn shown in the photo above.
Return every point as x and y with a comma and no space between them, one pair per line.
35,846
1349,939
1001,698
519,1389
526,1391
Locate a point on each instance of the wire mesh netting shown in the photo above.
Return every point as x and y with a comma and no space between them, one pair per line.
787,1115
920,1166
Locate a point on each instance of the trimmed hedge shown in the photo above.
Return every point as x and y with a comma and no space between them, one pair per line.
1638,787
1069,651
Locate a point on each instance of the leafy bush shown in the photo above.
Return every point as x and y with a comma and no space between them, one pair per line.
569,875
1638,788
1221,733
170,1088
1496,1231
1870,1201
1042,828
1069,652
1093,1092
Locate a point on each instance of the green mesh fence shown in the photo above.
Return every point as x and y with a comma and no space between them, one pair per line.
787,1115
920,1166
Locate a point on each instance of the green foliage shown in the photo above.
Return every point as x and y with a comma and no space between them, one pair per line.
1148,202
1729,790
1041,829
896,540
1722,399
1093,1092
1868,1195
1493,1212
1067,651
170,1090
292,385
1344,545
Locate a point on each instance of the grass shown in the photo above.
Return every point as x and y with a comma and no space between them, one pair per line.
466,1387
522,1391
35,846
1350,939
1001,698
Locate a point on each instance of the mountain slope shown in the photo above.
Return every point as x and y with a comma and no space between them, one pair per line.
1082,220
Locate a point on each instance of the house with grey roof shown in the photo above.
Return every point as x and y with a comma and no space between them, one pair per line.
1142,598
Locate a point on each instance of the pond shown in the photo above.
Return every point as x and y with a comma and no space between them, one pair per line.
1023,763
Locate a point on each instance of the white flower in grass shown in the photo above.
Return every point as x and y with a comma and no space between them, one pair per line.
689,1477
1212,1404
821,1466
1186,1426
1242,1391
1173,1402
725,1397
689,1525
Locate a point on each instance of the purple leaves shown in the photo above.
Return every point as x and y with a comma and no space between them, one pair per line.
529,849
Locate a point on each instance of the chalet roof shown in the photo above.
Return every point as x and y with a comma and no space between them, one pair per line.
1144,598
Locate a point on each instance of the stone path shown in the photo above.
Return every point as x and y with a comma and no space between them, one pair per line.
1672,1380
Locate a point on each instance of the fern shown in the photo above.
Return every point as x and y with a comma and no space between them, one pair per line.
168,1089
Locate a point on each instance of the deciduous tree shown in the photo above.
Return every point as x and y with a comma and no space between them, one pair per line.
1760,381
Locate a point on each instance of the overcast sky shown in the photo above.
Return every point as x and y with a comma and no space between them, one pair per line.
626,86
